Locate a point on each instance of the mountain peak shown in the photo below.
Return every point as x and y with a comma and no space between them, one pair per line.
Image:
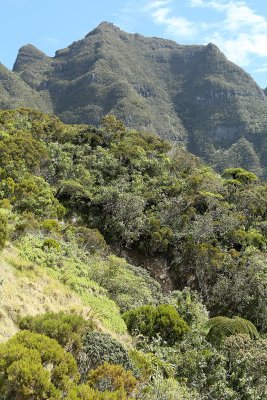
212,47
103,27
26,55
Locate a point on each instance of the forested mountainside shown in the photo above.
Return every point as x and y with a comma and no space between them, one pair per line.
80,323
190,94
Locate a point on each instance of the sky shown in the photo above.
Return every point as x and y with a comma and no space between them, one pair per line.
238,28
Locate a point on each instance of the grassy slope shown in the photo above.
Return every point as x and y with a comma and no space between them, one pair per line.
29,289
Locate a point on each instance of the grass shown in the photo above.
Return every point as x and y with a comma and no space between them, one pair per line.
29,289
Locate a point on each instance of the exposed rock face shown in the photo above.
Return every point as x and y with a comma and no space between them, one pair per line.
191,94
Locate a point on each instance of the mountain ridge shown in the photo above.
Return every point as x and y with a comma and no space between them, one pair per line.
186,93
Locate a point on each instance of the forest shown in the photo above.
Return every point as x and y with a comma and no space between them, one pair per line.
80,208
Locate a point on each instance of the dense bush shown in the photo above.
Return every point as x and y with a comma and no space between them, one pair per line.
108,377
246,366
99,348
67,328
162,320
88,239
24,371
222,327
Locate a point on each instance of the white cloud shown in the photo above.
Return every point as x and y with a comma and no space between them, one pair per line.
161,15
261,69
157,4
239,31
196,3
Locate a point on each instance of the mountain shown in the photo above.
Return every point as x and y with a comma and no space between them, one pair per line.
15,92
190,94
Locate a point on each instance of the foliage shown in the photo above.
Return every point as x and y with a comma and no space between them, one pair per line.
99,348
76,270
88,239
166,389
246,366
97,191
85,392
24,372
3,229
240,175
162,320
67,328
221,327
112,377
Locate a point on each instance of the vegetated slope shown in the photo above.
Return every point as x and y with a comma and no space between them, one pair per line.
141,193
28,290
75,181
14,92
191,94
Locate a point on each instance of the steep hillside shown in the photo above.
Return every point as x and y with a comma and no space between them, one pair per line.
191,94
86,324
15,92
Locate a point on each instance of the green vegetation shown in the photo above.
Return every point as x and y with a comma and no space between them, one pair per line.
24,372
99,348
162,320
66,328
221,327
79,322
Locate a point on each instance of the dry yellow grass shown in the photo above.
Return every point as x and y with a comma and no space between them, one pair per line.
27,289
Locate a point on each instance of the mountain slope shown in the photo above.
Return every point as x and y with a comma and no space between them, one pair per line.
15,92
190,93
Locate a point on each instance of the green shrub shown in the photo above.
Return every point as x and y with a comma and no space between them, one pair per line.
51,226
222,327
26,223
34,366
67,328
162,320
50,243
5,203
99,348
108,377
246,366
240,174
85,392
161,388
88,239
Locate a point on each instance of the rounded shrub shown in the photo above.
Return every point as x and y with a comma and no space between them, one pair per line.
108,377
99,348
34,366
162,320
50,243
221,327
67,328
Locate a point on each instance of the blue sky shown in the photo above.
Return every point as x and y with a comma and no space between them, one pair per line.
239,28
